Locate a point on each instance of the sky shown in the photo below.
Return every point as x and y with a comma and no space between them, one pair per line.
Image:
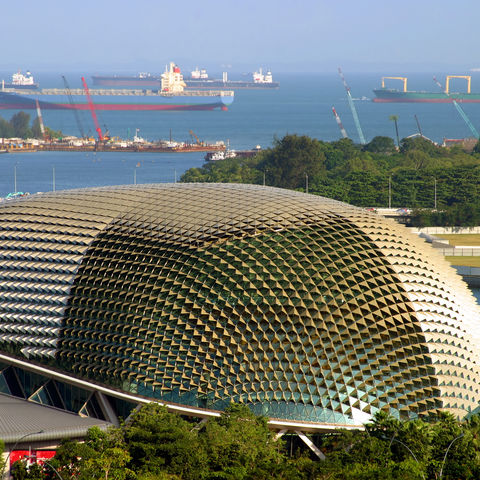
108,36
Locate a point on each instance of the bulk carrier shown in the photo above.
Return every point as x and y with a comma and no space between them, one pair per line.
198,79
169,96
386,95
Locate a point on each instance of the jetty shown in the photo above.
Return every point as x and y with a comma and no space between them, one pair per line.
115,144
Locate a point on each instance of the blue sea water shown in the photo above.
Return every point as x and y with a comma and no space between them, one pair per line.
302,105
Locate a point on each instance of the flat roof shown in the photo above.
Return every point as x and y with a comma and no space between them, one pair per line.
22,418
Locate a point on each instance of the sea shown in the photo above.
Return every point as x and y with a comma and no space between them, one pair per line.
302,105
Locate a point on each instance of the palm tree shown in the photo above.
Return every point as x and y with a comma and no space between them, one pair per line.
395,119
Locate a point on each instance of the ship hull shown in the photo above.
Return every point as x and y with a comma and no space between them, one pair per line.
396,96
136,100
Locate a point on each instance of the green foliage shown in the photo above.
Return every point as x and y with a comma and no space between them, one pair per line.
158,445
421,144
19,127
380,144
233,170
20,124
240,446
6,129
159,441
291,160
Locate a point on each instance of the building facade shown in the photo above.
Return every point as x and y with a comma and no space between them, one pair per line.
196,295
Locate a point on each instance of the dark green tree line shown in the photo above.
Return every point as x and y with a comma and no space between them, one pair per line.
158,445
19,127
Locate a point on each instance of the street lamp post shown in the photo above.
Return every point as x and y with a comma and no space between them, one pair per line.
446,453
53,468
15,446
411,453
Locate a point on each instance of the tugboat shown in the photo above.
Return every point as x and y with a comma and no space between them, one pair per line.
21,81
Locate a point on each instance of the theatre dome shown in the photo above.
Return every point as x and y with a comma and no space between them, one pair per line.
301,307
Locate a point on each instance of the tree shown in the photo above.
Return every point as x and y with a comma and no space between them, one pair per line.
419,143
103,456
380,144
292,158
240,446
162,442
6,129
20,124
111,456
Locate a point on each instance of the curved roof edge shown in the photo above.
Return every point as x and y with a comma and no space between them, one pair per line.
274,423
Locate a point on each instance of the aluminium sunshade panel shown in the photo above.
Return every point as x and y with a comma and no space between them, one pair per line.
302,307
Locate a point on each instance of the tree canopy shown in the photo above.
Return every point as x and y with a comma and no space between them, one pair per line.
238,445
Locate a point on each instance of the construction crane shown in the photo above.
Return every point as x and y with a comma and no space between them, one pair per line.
352,108
72,104
418,125
459,110
40,120
197,140
339,123
92,110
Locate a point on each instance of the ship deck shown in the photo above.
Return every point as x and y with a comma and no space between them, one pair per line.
121,92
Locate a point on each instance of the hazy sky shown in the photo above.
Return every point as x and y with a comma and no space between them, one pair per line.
284,35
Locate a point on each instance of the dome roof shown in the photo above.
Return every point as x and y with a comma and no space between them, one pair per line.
302,307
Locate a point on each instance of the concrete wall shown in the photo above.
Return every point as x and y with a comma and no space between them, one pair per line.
445,230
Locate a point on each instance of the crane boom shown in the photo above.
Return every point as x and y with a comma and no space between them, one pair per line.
460,111
339,123
40,120
352,108
92,109
72,104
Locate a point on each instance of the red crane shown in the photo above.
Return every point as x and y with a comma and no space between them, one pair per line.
92,110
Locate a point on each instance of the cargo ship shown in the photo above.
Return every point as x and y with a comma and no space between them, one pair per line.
141,80
386,95
170,95
198,79
21,81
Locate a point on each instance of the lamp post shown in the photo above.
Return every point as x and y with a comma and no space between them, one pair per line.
410,451
390,191
15,446
53,468
446,453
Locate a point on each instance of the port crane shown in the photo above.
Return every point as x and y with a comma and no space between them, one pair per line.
339,123
468,78
197,140
72,104
40,120
459,108
403,79
352,108
92,110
